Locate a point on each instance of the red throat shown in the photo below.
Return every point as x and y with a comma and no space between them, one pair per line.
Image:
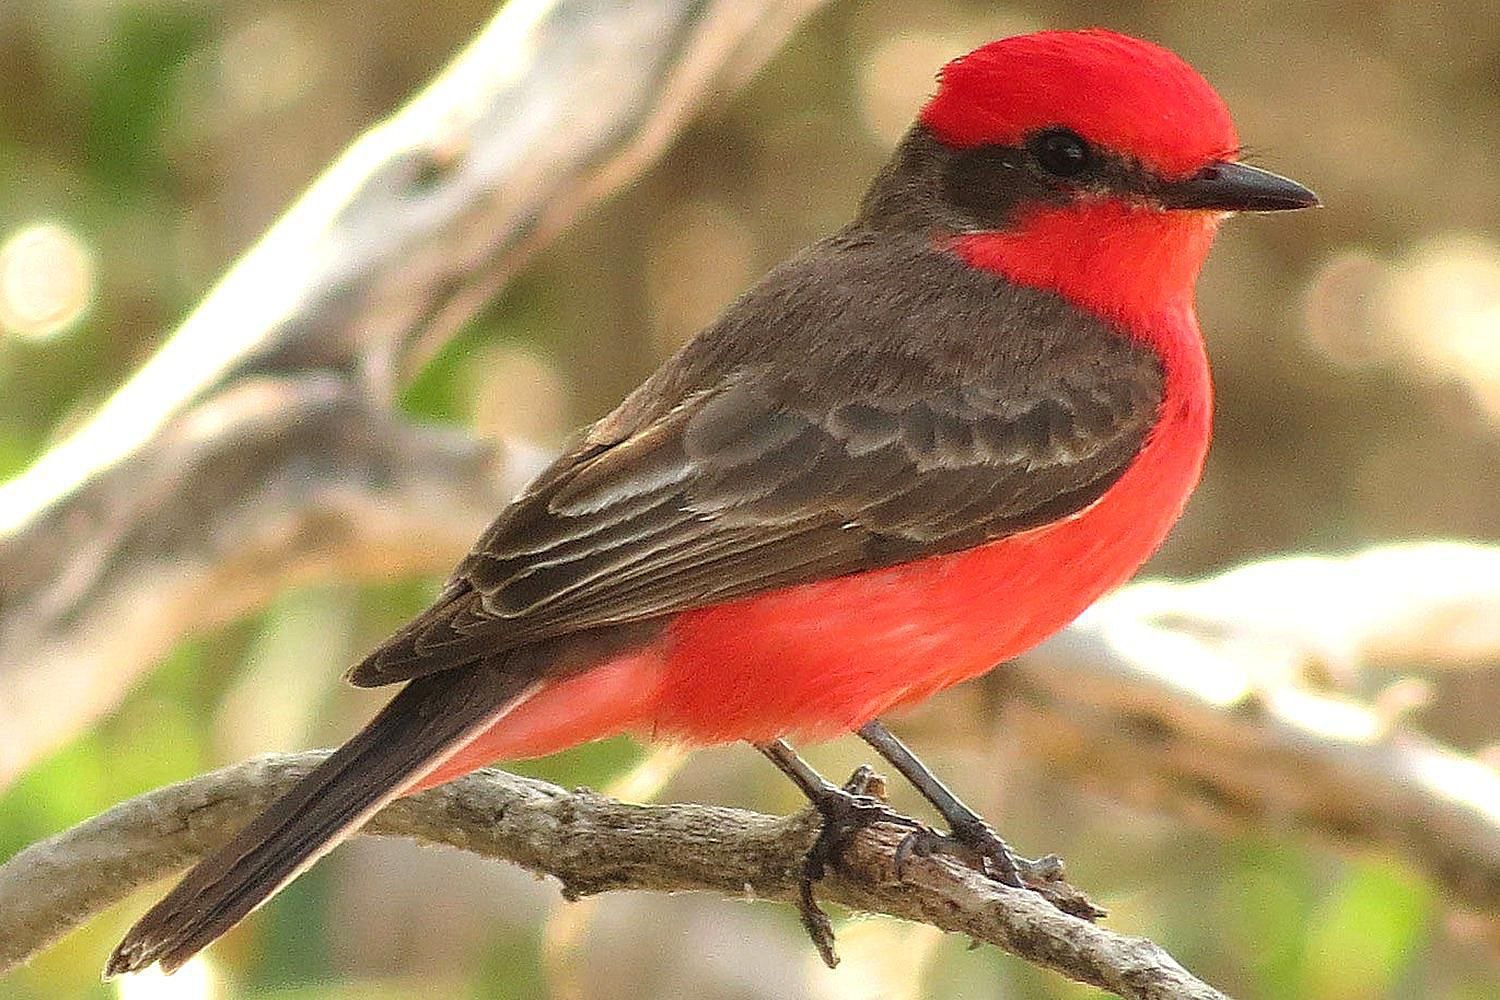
1130,264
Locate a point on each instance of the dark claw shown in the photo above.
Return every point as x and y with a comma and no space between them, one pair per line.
816,923
996,859
982,849
990,856
972,840
845,811
977,846
845,814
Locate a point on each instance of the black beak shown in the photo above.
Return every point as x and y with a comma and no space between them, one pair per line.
1237,187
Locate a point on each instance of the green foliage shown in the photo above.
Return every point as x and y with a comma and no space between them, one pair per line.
132,94
1365,937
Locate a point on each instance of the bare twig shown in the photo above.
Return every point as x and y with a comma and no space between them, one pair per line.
591,844
304,478
128,533
1196,699
553,105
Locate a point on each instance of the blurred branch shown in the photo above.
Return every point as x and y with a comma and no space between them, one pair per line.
1424,604
587,841
1199,699
149,521
272,482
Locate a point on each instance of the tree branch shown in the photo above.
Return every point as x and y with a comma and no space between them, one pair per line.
129,533
552,106
591,844
1201,699
272,482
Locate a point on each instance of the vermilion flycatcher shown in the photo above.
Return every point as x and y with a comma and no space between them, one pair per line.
906,455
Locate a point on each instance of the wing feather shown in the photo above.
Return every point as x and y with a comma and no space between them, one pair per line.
731,473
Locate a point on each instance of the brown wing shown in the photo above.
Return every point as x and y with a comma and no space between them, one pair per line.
738,493
768,478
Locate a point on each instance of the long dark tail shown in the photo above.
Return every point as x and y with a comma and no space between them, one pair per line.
428,720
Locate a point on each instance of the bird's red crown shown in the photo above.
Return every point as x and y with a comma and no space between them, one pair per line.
1124,94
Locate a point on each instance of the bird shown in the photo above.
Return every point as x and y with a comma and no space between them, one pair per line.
906,455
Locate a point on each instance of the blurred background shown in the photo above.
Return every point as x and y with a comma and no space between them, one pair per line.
145,143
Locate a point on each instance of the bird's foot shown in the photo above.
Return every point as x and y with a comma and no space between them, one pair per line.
846,810
977,845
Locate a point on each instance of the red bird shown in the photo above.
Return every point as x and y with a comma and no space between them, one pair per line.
906,455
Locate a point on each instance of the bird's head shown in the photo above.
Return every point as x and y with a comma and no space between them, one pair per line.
1087,162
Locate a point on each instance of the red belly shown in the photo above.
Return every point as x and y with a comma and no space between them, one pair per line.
820,659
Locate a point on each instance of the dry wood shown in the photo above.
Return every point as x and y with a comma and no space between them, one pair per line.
197,490
591,844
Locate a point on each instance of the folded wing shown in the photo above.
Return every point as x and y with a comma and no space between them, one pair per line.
745,488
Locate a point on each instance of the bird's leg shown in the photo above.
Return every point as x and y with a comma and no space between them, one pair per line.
969,832
965,826
845,810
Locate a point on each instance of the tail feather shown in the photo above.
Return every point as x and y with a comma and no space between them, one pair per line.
429,720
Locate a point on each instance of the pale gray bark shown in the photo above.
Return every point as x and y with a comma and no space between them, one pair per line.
1228,701
257,448
591,844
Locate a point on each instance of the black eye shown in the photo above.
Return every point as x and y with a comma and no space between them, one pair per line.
1061,153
